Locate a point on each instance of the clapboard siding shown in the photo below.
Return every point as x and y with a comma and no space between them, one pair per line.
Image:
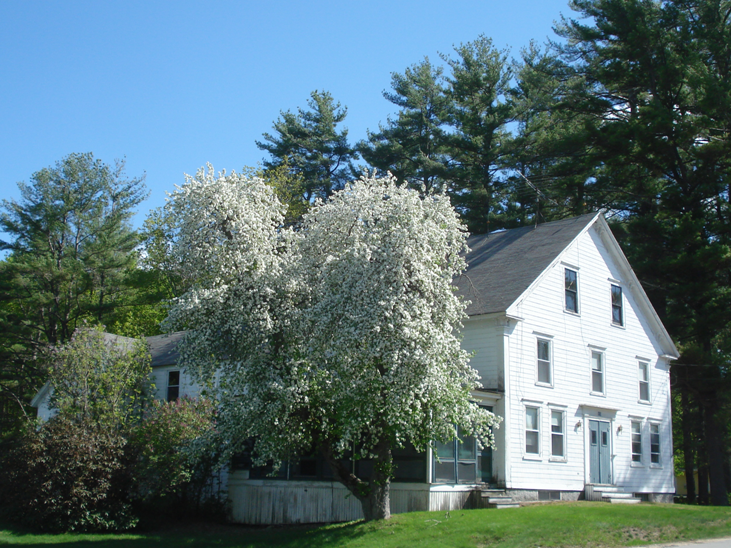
483,339
573,337
159,378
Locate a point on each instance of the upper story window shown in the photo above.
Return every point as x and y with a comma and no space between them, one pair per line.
636,441
173,385
617,312
571,290
597,372
532,431
543,366
643,373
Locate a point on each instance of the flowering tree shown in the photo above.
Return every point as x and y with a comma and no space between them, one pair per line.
339,337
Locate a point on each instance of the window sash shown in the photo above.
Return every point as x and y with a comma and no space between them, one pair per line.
655,444
617,312
532,431
636,441
543,373
644,380
173,391
571,290
597,372
557,434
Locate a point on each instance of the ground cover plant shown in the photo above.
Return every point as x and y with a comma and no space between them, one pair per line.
548,525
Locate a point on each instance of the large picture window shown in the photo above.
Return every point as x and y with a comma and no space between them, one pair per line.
571,290
456,461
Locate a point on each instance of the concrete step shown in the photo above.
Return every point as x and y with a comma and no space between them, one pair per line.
617,495
614,500
502,505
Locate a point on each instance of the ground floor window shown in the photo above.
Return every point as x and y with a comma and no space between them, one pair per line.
409,466
557,434
654,444
636,441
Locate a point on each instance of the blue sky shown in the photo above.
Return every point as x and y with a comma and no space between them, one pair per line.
171,85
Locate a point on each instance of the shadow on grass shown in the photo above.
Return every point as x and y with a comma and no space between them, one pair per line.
187,535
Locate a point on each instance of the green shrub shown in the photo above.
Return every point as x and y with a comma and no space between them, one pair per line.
68,475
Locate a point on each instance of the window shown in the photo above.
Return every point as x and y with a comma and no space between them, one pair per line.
543,373
571,290
654,444
173,385
643,373
532,430
636,441
617,316
597,372
457,460
557,436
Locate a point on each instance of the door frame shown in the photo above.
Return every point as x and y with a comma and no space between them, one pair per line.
599,414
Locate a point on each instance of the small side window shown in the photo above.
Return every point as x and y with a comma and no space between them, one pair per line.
173,385
557,434
617,311
571,289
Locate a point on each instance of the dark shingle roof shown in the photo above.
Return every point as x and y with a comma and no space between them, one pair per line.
164,348
502,265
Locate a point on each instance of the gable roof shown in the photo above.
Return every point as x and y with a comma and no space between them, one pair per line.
164,348
502,265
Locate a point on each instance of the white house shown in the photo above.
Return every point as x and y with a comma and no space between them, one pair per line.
571,355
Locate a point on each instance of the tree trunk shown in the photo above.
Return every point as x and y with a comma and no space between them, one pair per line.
374,495
702,483
688,449
719,495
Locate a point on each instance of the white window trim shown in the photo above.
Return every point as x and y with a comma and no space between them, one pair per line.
658,464
549,342
640,381
641,462
623,321
562,410
578,308
603,393
526,454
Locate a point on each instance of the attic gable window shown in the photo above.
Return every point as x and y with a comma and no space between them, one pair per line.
571,290
617,313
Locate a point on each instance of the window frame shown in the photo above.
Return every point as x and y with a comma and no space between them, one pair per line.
567,291
457,459
602,371
655,441
615,306
536,431
636,459
539,362
641,381
175,387
562,433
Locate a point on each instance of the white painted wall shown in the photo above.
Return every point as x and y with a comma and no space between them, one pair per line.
572,337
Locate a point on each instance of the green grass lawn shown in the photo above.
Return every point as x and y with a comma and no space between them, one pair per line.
545,525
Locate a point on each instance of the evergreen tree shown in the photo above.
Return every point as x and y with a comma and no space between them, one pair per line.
310,142
71,248
413,145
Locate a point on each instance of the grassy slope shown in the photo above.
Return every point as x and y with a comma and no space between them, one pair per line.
553,525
